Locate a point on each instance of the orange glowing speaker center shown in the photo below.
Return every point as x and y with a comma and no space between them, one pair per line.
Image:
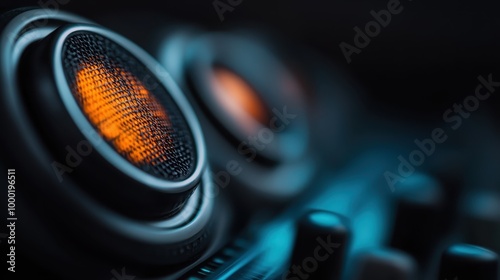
238,98
123,111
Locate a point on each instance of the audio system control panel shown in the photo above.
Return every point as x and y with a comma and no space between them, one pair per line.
187,152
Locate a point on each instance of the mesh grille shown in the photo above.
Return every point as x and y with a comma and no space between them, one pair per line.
128,107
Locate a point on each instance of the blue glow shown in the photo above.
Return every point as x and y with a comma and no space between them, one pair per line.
281,238
420,188
325,219
359,193
485,205
366,228
472,251
218,261
363,200
273,250
206,270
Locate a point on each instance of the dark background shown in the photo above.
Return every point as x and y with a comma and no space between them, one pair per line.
426,59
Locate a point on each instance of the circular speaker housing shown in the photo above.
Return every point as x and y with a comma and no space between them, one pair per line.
149,149
252,111
109,152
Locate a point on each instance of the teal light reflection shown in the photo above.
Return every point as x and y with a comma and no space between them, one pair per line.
472,251
325,219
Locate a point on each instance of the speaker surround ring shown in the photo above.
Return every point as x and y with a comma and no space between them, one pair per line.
106,233
85,126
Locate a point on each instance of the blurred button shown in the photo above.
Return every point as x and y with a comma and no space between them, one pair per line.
418,214
482,220
320,246
468,262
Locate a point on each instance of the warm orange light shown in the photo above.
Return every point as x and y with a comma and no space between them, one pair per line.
124,112
238,98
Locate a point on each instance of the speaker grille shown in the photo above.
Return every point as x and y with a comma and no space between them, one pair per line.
128,107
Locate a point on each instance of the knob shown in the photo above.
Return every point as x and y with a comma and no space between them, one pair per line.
418,214
320,245
482,219
468,262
